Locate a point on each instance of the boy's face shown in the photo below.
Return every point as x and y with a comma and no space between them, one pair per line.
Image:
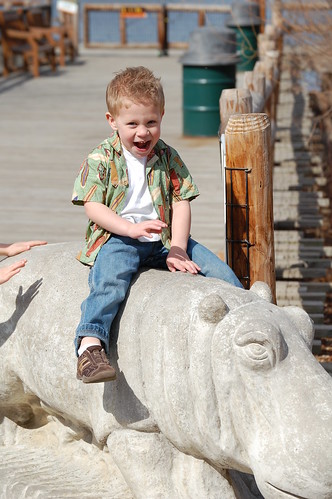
138,126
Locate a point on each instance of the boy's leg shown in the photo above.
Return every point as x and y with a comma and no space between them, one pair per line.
211,265
109,280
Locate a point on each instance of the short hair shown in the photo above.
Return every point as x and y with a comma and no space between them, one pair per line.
137,84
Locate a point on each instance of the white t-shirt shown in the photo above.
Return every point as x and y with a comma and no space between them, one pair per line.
138,205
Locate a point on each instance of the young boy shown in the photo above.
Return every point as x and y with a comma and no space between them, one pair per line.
136,192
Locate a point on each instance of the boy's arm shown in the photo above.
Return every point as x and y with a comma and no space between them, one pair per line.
113,223
177,258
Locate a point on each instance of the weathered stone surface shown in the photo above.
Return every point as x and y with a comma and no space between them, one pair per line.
210,378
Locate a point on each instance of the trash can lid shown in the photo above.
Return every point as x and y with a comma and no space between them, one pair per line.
244,14
211,46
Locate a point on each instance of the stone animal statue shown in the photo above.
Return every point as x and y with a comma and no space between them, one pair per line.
215,383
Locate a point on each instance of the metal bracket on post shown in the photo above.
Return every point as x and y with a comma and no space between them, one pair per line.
223,180
230,240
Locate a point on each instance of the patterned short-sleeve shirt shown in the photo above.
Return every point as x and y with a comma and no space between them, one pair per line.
103,178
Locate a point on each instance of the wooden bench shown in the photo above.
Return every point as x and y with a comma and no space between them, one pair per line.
39,22
19,42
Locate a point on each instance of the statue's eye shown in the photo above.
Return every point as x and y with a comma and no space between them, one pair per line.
260,349
256,351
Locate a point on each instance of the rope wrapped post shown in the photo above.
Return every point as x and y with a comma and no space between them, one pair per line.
249,199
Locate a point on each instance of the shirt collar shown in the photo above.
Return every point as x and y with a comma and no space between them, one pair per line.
116,142
130,157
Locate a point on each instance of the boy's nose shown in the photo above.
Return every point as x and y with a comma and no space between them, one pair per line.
143,131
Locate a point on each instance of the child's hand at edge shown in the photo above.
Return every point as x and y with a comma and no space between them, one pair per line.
7,273
16,248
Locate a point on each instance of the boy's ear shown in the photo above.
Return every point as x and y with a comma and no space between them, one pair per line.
111,121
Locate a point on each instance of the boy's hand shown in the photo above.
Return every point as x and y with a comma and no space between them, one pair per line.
20,247
7,272
146,228
178,259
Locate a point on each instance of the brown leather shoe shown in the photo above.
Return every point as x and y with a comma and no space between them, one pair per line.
93,366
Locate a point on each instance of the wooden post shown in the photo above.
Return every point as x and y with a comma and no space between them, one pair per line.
75,27
255,82
201,18
265,44
86,26
277,19
123,30
233,101
249,199
266,68
163,30
269,67
68,13
273,56
272,33
262,12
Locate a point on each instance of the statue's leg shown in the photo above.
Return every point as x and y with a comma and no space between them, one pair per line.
153,469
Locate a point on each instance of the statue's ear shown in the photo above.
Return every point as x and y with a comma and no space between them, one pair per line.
212,308
303,322
262,290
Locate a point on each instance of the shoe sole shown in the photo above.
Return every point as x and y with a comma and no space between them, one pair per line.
96,379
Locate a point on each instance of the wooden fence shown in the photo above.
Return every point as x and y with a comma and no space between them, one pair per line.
248,117
248,122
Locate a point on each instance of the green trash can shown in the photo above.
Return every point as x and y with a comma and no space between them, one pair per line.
245,22
209,67
202,87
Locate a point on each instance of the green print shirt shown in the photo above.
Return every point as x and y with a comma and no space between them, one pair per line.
103,179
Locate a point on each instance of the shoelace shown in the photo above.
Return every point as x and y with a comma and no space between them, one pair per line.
98,356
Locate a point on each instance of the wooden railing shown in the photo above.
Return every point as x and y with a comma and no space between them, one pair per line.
162,12
248,117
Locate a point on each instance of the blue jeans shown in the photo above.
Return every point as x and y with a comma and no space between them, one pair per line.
116,264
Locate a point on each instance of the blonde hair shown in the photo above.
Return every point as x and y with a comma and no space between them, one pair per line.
137,84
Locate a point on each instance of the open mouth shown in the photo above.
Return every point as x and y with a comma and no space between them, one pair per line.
142,146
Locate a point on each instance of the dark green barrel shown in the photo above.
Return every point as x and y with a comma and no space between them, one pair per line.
202,87
209,67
